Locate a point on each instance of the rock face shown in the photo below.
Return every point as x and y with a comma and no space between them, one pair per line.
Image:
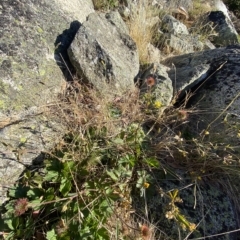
213,75
219,99
208,208
104,54
30,77
157,83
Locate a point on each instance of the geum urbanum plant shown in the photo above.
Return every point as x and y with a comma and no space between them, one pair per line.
79,187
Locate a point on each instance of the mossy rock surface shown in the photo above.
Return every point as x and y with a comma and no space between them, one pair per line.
28,32
32,34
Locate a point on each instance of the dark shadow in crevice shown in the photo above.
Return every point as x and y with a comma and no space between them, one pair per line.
62,43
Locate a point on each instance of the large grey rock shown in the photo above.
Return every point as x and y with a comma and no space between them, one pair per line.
188,70
104,54
219,100
213,75
218,26
31,78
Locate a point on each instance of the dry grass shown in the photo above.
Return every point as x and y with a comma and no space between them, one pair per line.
199,8
142,27
85,106
105,4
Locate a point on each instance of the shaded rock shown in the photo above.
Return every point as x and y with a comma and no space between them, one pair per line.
213,76
204,205
188,70
219,100
219,26
31,80
104,54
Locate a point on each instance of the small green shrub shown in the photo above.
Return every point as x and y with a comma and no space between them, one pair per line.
74,198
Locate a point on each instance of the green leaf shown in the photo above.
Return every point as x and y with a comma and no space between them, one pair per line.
15,222
65,186
27,174
18,192
64,236
54,165
152,162
118,141
10,236
69,165
38,180
51,176
51,235
36,204
113,176
35,193
49,194
10,224
102,234
104,207
129,159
